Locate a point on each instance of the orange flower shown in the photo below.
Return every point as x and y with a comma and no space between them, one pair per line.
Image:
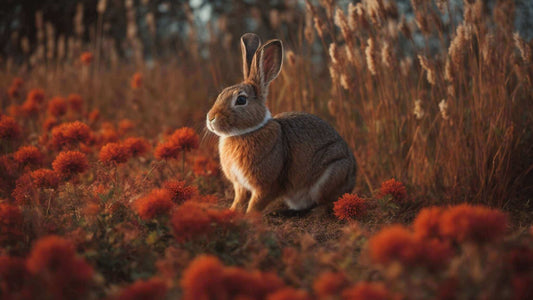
45,178
114,153
475,223
183,139
203,279
367,291
30,108
50,123
70,134
155,204
207,278
13,91
180,191
394,243
9,128
53,260
28,155
190,220
86,58
70,163
36,96
125,126
57,106
24,191
137,146
11,223
13,275
397,243
136,81
394,188
94,116
289,294
75,101
329,284
193,219
349,206
426,223
204,166
166,150
152,289
108,135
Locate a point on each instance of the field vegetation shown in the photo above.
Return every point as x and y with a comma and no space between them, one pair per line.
110,184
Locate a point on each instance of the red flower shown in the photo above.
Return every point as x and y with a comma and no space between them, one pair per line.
53,260
426,223
394,243
183,139
204,166
137,146
69,163
349,206
24,191
189,220
36,96
329,284
476,223
13,91
152,289
57,106
166,150
289,294
13,275
394,188
114,153
9,129
367,291
45,178
86,58
155,204
125,126
207,278
180,191
94,116
193,219
70,134
28,155
30,108
136,81
203,279
75,101
11,222
50,123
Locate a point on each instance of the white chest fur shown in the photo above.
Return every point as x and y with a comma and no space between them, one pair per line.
240,177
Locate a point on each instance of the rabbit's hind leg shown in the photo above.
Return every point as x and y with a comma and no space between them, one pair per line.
340,179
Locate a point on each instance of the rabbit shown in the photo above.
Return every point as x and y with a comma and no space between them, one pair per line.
294,156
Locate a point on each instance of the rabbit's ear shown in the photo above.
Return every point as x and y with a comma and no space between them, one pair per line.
267,64
249,44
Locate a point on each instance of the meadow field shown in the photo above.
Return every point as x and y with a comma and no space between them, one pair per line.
111,185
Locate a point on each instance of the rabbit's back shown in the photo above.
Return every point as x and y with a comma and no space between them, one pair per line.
312,146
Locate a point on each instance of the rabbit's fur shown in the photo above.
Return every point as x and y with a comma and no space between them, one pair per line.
294,156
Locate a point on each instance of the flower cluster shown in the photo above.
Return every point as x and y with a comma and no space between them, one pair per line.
184,139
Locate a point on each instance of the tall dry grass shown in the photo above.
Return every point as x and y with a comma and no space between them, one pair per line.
443,106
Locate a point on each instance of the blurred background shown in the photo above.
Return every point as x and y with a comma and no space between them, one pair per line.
434,93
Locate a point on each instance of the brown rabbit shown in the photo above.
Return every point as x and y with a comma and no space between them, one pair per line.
294,156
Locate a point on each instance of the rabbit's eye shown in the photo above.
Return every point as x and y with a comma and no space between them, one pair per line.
241,100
